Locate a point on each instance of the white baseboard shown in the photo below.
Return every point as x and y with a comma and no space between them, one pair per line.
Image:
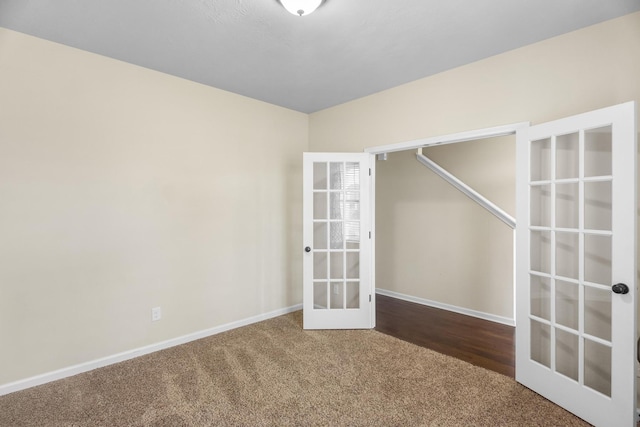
479,314
121,357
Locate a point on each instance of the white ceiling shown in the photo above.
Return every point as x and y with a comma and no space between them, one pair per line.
345,50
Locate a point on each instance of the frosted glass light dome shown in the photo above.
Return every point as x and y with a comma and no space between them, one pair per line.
301,7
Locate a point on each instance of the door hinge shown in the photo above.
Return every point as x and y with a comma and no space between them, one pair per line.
369,297
369,234
369,171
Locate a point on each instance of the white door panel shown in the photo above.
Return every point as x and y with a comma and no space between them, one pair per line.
337,219
575,239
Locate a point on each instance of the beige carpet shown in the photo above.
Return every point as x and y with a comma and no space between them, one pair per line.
275,374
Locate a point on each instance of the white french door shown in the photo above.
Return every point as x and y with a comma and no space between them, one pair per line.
576,263
338,289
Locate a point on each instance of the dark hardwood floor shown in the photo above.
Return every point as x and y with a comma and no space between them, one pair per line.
480,342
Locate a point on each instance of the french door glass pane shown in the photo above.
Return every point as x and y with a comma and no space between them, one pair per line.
320,295
597,152
541,160
336,236
337,265
567,254
353,265
336,205
567,304
541,251
540,297
597,367
567,353
352,176
336,174
320,235
567,156
337,295
541,343
352,234
352,206
320,205
541,205
597,312
597,259
320,265
597,205
567,205
320,176
353,294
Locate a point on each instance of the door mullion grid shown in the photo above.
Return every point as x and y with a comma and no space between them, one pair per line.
328,216
581,257
344,275
610,397
552,308
344,240
364,226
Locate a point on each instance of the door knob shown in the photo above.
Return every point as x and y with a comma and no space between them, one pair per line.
307,249
620,288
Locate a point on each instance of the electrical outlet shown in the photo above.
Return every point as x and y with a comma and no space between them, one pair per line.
156,314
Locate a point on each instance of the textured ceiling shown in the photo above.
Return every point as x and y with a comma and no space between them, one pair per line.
345,50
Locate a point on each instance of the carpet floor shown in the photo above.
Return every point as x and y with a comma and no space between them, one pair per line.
274,373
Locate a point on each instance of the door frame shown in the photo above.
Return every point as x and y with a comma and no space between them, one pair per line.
471,135
466,136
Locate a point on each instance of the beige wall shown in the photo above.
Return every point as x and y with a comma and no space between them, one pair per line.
123,189
433,243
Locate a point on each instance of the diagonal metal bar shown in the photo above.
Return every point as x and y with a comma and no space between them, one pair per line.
468,191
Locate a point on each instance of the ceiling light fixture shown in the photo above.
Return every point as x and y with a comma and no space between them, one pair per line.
301,7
